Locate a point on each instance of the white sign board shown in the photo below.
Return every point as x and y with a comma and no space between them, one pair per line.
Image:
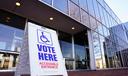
45,57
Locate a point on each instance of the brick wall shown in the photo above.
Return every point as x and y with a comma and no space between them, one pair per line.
110,72
107,72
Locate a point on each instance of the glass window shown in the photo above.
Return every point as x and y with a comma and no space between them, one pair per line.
107,7
6,59
112,23
93,23
66,48
84,18
96,10
69,64
83,4
101,13
118,59
96,45
124,55
74,11
118,20
111,37
66,44
100,28
122,43
80,57
97,50
101,2
109,21
113,15
10,38
90,7
81,52
119,29
109,49
106,32
75,1
106,18
61,5
106,54
47,1
103,49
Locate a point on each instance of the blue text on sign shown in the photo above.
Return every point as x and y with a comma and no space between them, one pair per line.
46,53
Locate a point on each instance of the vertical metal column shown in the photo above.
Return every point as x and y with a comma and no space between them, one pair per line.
91,50
73,53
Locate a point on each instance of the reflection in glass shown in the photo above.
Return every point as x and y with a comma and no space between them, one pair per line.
74,11
83,4
8,60
66,48
103,54
81,51
75,1
106,31
84,18
93,23
47,1
96,9
101,13
106,18
100,28
112,52
11,38
61,5
98,46
90,7
101,2
80,55
69,64
124,55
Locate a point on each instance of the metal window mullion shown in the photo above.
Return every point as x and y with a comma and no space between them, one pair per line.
73,52
52,3
69,7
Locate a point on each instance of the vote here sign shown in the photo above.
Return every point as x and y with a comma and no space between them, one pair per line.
44,52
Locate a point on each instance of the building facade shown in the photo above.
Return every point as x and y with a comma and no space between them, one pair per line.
121,53
88,31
